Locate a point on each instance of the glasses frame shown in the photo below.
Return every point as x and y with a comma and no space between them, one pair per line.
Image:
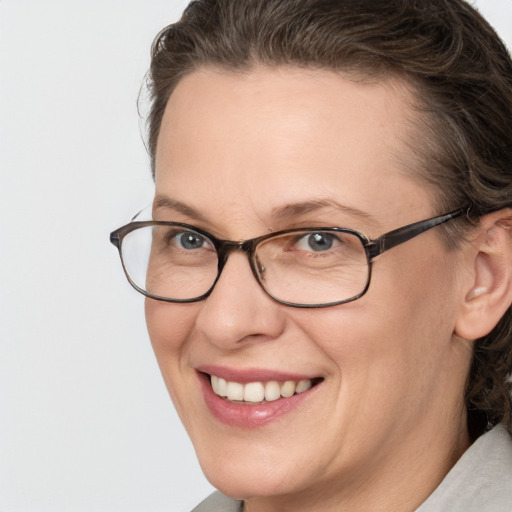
372,247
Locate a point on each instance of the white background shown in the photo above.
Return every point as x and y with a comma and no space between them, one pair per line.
85,421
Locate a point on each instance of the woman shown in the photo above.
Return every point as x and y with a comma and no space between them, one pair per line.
328,260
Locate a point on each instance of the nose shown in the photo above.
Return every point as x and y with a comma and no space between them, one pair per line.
238,309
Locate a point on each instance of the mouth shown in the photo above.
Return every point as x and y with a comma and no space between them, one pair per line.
259,392
254,398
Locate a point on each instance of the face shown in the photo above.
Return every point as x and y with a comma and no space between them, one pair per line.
242,155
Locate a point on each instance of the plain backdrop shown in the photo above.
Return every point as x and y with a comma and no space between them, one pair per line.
85,420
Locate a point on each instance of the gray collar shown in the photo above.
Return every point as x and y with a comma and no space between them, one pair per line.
217,502
481,481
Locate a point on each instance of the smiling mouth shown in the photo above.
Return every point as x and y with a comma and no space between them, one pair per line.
259,392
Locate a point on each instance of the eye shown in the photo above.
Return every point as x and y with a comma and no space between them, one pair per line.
189,240
317,242
176,238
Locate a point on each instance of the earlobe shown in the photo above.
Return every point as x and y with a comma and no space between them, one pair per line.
490,280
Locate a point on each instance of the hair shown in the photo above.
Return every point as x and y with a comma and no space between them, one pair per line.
444,50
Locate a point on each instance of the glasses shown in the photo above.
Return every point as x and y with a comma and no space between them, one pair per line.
302,267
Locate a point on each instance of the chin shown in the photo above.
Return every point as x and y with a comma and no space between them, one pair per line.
248,469
251,482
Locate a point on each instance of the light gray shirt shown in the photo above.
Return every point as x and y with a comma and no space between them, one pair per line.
481,481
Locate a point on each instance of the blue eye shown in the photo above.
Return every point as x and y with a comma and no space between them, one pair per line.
317,242
190,240
320,241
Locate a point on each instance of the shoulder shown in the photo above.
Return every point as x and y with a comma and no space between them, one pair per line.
481,479
217,502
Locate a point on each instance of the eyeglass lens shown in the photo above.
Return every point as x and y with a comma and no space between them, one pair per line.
300,267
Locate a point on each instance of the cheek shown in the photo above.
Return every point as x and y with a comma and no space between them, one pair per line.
169,326
393,342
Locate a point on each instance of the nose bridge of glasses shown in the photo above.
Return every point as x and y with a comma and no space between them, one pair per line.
225,247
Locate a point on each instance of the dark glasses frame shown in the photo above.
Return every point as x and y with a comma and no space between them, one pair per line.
372,247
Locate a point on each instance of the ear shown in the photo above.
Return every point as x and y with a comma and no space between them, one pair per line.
488,290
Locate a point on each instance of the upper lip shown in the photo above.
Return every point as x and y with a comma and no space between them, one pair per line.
245,375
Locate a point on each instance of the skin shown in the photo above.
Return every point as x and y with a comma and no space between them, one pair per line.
388,421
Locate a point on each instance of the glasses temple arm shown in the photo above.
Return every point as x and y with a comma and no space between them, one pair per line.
403,234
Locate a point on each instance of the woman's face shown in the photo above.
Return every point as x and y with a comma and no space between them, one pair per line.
242,155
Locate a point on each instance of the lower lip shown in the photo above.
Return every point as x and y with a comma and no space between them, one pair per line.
250,416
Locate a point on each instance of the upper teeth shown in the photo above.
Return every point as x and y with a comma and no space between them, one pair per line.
258,391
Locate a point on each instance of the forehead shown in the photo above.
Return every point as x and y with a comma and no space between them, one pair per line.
277,135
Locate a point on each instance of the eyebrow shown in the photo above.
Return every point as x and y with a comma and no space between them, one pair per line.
172,204
297,209
278,213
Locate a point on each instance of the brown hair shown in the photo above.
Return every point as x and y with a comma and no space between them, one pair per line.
457,65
